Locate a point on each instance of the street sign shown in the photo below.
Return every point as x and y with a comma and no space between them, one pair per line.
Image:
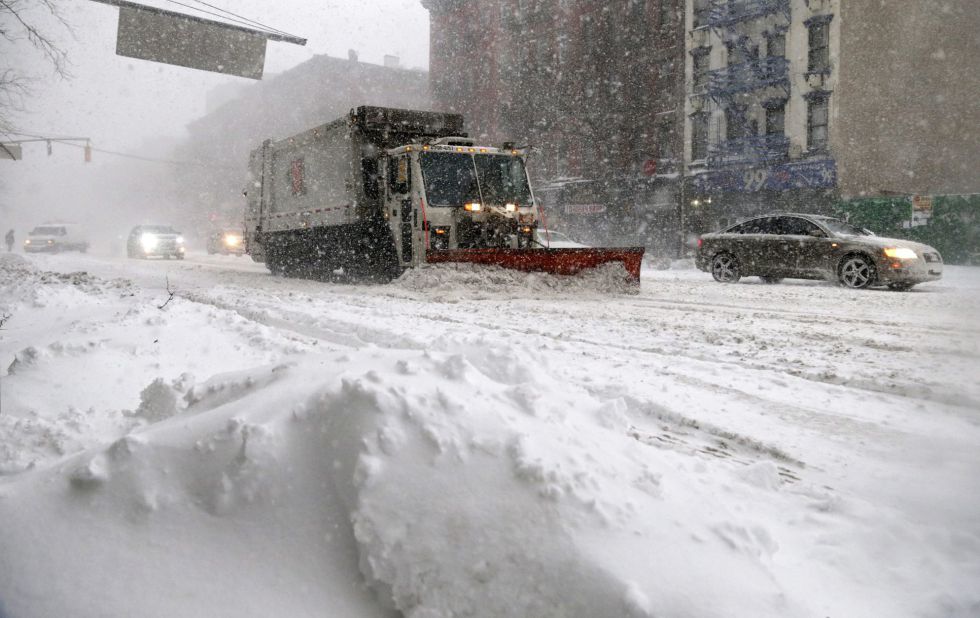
922,204
13,152
150,33
174,39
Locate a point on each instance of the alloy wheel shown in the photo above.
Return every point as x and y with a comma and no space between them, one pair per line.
856,273
724,268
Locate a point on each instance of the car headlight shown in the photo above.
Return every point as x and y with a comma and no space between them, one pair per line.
473,207
233,240
27,242
180,240
149,241
900,253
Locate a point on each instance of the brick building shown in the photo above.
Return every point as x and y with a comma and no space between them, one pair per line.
804,104
597,88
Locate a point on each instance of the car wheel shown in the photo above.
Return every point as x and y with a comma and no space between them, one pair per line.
771,280
900,287
725,269
856,272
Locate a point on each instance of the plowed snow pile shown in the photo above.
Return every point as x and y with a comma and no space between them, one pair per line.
473,282
465,482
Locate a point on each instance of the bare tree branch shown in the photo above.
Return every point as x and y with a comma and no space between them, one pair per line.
55,54
170,297
16,25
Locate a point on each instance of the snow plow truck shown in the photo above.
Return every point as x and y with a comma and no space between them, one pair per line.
369,195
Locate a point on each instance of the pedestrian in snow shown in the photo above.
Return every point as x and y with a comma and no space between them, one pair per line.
10,241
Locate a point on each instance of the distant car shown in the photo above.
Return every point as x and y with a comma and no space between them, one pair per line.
55,237
802,246
226,242
557,240
155,241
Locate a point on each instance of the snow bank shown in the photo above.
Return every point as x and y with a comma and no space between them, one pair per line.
23,283
476,282
465,482
476,477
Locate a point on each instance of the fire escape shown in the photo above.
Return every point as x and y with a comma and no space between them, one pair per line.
747,74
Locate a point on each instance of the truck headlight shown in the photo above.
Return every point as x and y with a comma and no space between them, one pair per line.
180,240
232,240
900,253
27,242
149,241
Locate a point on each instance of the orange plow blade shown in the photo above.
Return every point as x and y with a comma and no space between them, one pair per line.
554,261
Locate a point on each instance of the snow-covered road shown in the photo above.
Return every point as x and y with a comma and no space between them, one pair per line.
692,450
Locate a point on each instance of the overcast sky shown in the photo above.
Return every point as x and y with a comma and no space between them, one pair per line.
141,107
120,102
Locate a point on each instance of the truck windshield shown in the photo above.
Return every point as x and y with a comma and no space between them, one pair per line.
450,179
503,179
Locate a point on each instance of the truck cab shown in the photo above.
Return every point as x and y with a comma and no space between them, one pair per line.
451,193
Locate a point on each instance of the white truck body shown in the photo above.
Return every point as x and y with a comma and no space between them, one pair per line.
374,193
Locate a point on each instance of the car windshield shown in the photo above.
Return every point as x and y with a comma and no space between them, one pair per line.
48,231
841,227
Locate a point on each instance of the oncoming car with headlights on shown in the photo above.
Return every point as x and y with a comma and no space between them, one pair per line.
147,241
802,246
226,242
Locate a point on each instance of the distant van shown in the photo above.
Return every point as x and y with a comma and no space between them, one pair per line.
56,237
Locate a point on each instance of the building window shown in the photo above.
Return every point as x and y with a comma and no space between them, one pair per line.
699,136
819,56
699,68
701,10
562,49
665,139
735,122
816,128
776,46
638,10
665,13
776,120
